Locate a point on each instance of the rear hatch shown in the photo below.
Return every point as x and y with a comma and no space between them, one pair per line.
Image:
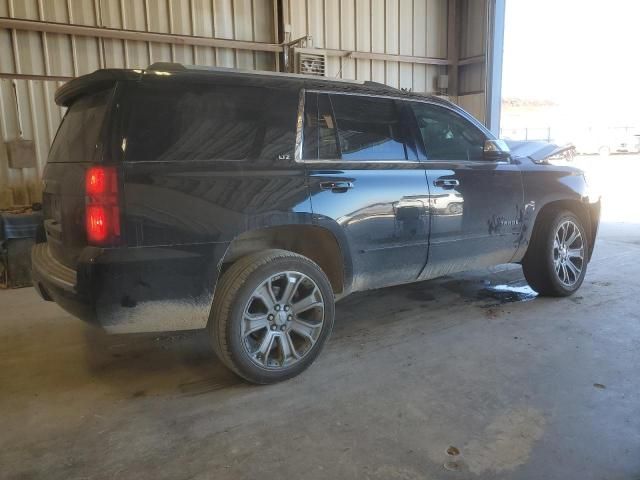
78,144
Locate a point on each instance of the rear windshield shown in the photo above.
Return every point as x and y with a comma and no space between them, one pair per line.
79,131
210,122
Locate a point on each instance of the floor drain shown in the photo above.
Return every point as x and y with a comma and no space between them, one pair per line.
453,451
452,466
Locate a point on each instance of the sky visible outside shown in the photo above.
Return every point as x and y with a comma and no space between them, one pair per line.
583,55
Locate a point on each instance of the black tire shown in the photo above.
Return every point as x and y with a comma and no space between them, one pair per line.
538,264
236,288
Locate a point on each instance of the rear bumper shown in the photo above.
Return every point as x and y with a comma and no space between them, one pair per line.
59,283
127,290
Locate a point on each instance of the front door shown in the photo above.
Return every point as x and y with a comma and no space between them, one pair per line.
364,175
476,205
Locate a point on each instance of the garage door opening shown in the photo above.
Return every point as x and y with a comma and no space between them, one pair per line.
569,76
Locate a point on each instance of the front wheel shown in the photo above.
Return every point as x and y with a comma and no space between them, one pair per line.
556,262
272,314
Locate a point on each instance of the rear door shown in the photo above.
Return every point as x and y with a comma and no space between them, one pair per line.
476,205
365,175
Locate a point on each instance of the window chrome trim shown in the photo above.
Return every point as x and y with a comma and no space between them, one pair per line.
300,133
455,109
297,155
362,162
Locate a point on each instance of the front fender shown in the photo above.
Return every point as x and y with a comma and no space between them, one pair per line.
546,185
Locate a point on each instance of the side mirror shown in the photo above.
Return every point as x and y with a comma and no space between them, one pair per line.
496,150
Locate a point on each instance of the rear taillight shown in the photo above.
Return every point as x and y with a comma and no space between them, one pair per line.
102,209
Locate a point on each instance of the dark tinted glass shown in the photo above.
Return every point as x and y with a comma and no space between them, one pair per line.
319,128
310,136
80,129
211,122
327,146
369,128
447,135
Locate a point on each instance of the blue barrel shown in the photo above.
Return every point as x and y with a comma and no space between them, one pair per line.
19,225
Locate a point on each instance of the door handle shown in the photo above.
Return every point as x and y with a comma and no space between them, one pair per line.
336,187
446,183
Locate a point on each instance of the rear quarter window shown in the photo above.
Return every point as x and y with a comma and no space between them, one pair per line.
210,121
79,133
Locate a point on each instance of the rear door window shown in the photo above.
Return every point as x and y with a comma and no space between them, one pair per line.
210,122
320,134
356,128
79,133
370,128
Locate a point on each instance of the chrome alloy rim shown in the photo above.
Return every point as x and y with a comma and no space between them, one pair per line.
282,320
568,253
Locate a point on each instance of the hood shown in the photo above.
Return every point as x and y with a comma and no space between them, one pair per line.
539,151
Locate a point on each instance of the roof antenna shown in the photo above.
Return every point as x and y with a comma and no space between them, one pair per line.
349,56
18,113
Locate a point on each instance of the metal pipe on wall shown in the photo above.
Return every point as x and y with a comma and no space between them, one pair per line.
134,35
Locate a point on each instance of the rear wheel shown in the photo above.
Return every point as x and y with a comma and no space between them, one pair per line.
273,311
556,262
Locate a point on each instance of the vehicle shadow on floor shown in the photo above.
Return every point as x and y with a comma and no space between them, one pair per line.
183,363
175,363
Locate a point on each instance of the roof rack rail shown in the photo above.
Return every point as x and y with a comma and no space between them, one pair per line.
170,66
382,86
166,66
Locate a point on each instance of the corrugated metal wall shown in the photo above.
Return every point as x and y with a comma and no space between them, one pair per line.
411,36
399,27
28,111
473,44
408,28
33,64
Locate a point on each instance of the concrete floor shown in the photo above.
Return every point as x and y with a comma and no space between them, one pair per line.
522,387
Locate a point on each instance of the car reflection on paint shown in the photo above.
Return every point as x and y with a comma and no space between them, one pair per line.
450,203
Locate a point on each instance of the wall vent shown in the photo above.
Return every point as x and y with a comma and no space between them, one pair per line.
312,64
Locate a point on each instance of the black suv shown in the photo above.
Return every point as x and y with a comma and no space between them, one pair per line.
180,198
